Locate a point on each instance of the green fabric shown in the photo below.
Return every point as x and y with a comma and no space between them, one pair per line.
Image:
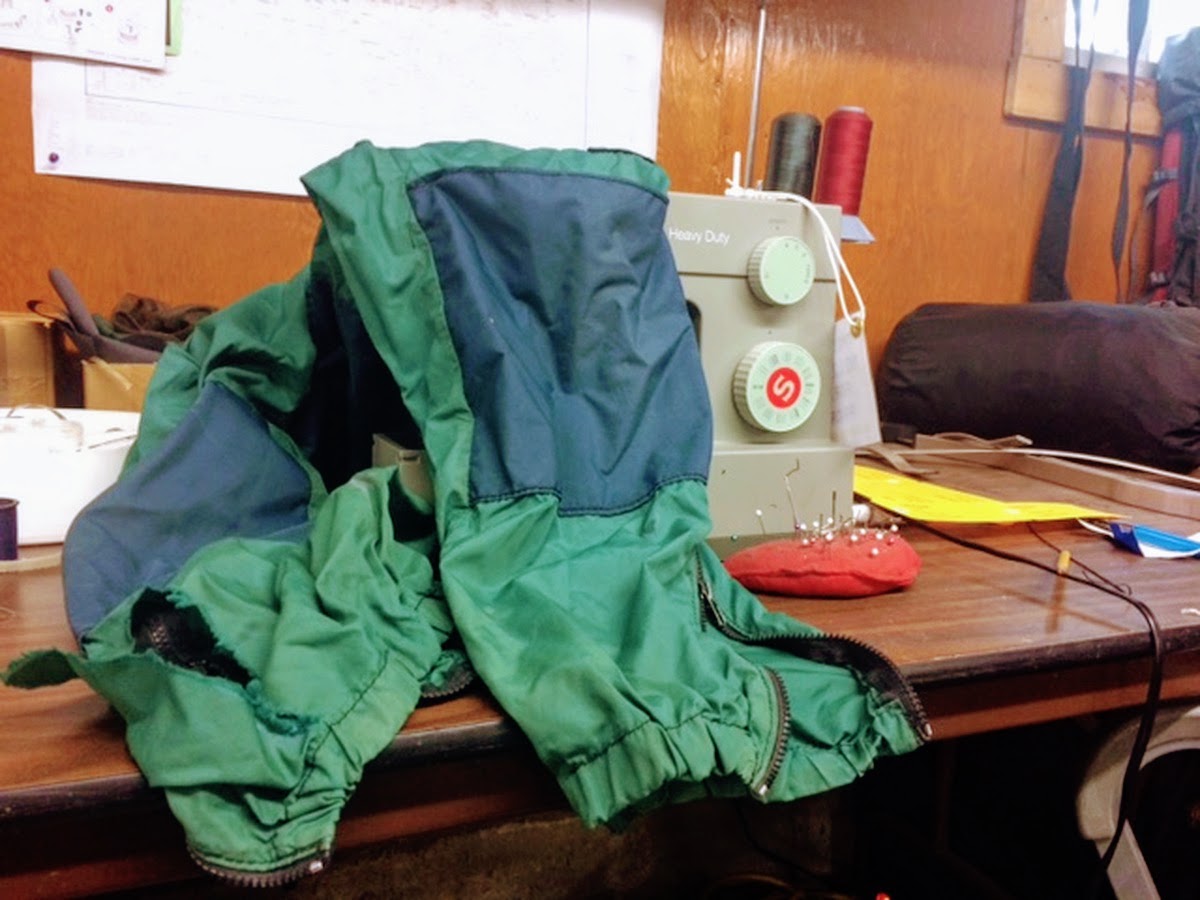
338,633
591,630
588,629
260,348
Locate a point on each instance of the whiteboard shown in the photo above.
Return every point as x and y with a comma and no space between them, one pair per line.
265,90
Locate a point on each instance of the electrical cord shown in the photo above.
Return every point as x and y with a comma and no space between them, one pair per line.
1129,783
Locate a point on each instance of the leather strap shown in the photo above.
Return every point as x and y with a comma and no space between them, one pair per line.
1049,280
1139,12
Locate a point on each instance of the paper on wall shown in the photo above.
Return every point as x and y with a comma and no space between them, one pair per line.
264,91
129,32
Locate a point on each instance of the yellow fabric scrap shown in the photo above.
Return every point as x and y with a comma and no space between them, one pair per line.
932,503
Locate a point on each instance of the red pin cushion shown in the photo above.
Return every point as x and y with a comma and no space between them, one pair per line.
859,562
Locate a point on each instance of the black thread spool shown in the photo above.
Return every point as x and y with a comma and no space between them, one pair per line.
792,155
8,528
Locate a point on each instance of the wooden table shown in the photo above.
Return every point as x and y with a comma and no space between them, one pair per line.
988,643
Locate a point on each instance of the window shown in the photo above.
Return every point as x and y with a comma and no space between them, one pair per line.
1045,35
1103,25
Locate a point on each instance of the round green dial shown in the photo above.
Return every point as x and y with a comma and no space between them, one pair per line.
781,270
776,386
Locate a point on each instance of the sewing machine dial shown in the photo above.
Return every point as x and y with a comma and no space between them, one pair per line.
776,386
781,270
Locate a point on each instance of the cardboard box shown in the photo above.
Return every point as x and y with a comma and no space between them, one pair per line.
118,386
26,360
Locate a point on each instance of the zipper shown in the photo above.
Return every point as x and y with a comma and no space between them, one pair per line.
708,606
832,649
884,674
460,679
311,865
781,734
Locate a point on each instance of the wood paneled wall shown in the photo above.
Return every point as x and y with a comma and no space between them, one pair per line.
180,245
953,192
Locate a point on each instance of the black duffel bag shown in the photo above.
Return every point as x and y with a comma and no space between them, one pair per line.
1119,381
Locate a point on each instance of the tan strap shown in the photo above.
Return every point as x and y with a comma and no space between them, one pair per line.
1128,489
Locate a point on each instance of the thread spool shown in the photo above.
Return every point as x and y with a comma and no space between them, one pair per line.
792,153
843,161
8,528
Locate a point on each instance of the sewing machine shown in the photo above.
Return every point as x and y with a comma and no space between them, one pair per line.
763,298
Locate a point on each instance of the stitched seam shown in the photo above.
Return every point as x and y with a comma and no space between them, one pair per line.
626,735
433,177
587,510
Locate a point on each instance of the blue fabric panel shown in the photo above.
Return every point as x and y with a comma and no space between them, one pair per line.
579,360
219,474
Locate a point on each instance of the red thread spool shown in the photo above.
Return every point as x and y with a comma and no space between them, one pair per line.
843,163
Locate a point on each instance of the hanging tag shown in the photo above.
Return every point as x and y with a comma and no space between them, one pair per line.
855,411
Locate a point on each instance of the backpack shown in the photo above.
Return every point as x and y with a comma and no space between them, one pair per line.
1175,190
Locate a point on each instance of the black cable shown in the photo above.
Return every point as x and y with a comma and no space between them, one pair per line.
1092,575
1129,783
